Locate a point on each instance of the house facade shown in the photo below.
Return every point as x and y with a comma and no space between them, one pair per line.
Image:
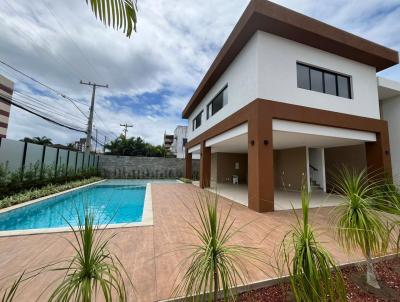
180,140
287,100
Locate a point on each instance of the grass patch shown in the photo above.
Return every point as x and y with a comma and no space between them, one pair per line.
44,191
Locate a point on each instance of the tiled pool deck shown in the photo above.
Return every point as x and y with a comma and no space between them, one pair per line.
149,253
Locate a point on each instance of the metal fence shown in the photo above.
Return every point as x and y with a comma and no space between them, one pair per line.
22,156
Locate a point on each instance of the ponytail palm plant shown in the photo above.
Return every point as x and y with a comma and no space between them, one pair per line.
215,266
359,221
313,273
92,269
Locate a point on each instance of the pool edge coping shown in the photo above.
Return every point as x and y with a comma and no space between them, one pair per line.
147,215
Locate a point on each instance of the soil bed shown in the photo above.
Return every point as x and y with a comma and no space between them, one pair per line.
388,273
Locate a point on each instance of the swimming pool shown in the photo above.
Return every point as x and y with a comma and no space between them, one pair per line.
113,202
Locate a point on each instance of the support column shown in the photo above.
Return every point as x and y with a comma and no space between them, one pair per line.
260,161
205,165
378,154
188,164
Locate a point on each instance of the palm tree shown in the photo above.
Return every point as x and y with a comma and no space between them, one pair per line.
359,222
93,268
116,13
215,265
38,140
310,265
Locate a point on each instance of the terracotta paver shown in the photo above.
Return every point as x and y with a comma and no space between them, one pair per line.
151,255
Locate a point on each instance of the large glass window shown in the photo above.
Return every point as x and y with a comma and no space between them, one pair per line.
197,121
316,79
219,101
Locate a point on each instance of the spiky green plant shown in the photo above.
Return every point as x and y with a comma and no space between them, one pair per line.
93,268
9,294
313,273
215,266
359,223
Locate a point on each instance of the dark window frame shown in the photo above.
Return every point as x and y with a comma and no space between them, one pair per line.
196,125
325,71
221,91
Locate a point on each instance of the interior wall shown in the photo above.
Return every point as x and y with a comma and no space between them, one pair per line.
214,162
290,168
316,160
226,167
350,156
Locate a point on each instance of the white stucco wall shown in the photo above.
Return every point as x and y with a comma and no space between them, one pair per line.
391,113
266,68
241,79
277,77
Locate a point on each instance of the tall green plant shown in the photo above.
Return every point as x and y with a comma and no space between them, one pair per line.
9,294
313,273
93,269
359,223
214,264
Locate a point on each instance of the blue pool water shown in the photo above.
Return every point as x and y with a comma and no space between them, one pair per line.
111,202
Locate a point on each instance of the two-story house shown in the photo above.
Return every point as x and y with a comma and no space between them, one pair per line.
287,99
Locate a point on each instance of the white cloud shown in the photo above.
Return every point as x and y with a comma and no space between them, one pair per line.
173,48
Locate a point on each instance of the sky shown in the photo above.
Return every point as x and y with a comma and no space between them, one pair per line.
152,75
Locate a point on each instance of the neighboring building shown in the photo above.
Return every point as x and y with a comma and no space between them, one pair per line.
6,91
80,145
288,99
180,140
168,140
389,96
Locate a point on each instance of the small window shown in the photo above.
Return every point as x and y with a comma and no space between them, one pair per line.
197,121
330,83
317,83
343,86
317,79
219,101
184,141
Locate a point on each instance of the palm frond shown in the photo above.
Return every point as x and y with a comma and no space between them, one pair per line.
118,14
9,294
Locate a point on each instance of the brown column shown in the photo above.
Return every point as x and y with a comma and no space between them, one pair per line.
378,153
188,164
260,161
205,165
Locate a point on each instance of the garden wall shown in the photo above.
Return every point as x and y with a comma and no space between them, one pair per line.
113,166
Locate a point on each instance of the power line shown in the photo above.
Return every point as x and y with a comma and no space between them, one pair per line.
8,100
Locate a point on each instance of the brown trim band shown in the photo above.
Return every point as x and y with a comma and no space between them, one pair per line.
3,125
4,113
278,20
6,89
2,136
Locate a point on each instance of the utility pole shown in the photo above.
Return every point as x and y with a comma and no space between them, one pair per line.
95,149
90,121
126,126
105,143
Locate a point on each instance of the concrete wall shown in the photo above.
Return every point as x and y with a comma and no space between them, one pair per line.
391,113
112,166
350,156
266,68
290,168
226,167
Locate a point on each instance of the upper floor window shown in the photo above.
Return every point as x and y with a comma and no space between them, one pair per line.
219,101
324,81
184,142
197,121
